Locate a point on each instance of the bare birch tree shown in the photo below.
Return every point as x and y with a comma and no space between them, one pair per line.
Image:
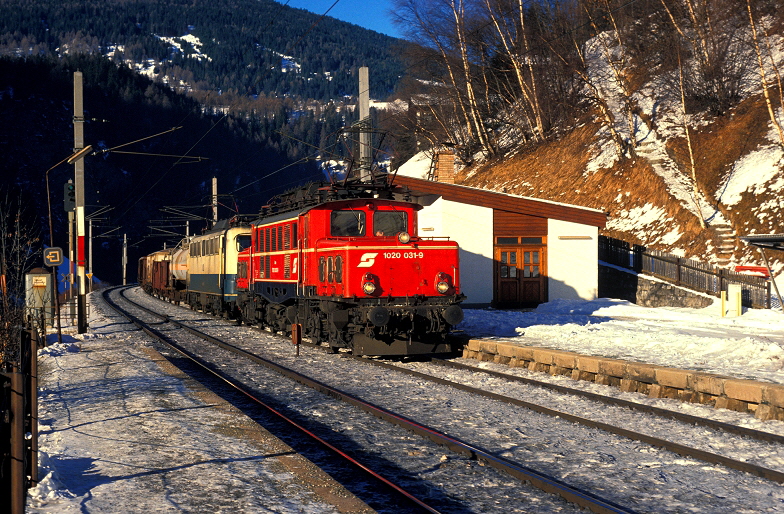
458,8
593,93
19,251
695,186
763,77
615,56
712,31
509,21
429,25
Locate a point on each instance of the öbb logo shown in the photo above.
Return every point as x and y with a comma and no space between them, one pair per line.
367,260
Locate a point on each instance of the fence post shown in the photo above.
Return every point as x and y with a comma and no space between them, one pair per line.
638,252
677,271
768,303
32,394
18,491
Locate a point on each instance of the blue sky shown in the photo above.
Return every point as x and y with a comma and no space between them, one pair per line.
370,14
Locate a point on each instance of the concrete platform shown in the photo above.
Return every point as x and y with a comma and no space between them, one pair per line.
123,430
764,400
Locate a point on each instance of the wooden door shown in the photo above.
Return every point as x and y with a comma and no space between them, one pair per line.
507,281
532,285
520,276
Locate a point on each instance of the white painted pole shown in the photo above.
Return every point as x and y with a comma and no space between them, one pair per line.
78,121
124,257
214,201
365,154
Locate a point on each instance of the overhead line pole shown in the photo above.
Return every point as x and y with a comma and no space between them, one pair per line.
365,155
78,121
214,201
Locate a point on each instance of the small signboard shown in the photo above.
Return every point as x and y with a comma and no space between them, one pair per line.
53,256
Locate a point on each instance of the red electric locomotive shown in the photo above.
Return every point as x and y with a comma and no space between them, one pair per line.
346,263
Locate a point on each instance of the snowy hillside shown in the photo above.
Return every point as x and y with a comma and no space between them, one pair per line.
646,183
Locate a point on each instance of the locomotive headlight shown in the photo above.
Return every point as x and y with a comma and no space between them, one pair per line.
404,237
368,284
443,283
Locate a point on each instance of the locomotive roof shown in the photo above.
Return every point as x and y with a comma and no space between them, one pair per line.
315,194
299,212
223,225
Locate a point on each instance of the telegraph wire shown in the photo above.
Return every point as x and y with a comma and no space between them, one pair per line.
230,109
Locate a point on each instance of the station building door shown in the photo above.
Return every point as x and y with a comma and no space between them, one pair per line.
520,271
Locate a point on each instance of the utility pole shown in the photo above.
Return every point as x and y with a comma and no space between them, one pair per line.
214,201
365,154
90,218
90,253
71,263
78,121
124,255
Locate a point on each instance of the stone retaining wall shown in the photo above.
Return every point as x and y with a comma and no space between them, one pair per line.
627,285
764,400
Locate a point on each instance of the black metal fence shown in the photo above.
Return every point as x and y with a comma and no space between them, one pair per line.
689,273
19,421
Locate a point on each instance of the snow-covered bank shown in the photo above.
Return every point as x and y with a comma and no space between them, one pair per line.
749,346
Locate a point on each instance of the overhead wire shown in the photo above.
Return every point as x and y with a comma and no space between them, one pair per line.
223,117
304,159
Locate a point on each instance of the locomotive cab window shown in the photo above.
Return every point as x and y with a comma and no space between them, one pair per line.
389,223
243,242
347,224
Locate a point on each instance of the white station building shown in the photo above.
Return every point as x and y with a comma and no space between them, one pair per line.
514,251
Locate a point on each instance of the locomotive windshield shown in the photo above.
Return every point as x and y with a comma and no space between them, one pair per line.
243,242
389,223
347,224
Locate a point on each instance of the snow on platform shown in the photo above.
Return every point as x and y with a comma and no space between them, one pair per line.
121,429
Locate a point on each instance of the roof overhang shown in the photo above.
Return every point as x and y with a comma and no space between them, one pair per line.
504,201
772,241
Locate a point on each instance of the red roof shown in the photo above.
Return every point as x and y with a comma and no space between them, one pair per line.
504,201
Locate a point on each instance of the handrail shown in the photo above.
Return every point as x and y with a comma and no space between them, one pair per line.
689,273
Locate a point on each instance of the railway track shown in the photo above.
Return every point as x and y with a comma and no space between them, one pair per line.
669,445
577,496
401,495
504,453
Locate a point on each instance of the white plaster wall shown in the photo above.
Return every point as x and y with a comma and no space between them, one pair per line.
472,227
572,260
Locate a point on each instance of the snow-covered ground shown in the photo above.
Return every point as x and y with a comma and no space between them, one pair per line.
748,346
106,405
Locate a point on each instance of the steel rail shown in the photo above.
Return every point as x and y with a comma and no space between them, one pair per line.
665,413
237,386
539,480
680,449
